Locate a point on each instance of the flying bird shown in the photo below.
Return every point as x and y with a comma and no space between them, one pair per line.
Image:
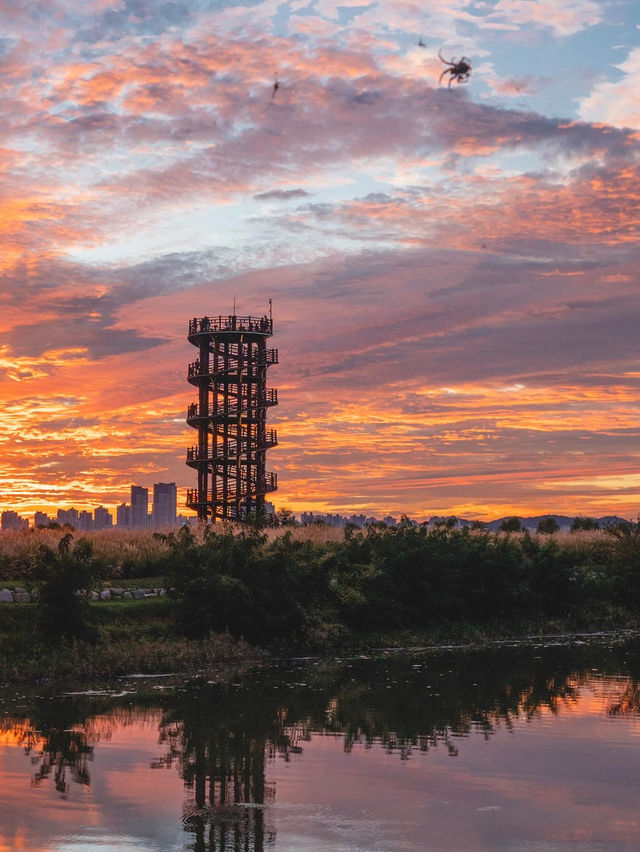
421,43
276,86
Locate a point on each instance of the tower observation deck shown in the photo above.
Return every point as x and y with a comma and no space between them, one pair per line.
231,415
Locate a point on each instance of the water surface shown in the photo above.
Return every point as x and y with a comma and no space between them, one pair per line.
523,748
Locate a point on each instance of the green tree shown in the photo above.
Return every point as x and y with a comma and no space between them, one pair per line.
258,519
548,526
207,579
284,518
64,579
626,558
580,523
511,525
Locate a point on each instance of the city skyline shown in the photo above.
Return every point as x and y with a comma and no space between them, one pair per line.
453,269
135,515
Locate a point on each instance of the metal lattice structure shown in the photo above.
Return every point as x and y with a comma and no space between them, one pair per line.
231,415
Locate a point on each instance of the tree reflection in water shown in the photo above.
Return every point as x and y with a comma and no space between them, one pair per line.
60,736
220,737
58,745
64,749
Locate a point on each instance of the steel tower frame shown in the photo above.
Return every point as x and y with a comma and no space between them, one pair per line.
231,415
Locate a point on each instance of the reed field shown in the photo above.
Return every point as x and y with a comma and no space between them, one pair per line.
120,550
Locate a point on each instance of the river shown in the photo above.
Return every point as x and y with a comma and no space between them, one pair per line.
524,747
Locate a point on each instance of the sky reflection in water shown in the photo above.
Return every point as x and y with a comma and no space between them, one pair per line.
508,749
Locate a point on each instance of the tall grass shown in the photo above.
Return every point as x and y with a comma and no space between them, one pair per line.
119,553
139,553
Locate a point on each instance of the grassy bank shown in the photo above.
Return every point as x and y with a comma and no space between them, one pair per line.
126,638
141,637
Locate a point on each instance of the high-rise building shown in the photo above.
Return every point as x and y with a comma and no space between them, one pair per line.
102,518
41,519
12,521
139,506
164,504
85,520
68,516
123,515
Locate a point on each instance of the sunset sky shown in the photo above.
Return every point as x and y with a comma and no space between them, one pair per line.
454,271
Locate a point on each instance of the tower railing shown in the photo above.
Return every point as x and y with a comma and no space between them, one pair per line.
198,370
234,323
194,454
247,404
264,485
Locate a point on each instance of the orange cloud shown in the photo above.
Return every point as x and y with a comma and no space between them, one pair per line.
447,316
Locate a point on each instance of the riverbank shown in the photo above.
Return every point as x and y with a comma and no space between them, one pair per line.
140,637
126,638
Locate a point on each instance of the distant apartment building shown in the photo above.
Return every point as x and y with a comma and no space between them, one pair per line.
102,519
123,515
85,521
338,521
41,519
68,516
139,506
12,521
165,504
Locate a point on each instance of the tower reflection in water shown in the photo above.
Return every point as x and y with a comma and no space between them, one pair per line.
221,744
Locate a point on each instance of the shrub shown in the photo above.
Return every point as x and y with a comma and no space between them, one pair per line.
584,524
511,525
547,526
626,559
64,579
407,577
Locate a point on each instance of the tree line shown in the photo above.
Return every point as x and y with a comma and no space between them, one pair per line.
379,579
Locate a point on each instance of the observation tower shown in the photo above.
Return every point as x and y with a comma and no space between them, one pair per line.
231,415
